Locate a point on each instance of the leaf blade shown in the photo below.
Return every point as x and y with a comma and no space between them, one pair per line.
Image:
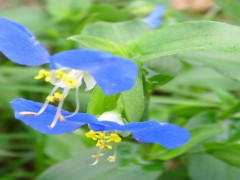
185,37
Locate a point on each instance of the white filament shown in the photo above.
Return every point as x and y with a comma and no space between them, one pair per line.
47,101
59,108
77,102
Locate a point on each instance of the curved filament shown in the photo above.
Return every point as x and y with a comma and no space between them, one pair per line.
59,108
47,101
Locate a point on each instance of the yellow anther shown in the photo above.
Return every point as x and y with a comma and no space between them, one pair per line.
61,117
51,99
27,113
48,78
61,75
113,138
43,73
101,144
70,81
95,135
56,97
111,159
97,155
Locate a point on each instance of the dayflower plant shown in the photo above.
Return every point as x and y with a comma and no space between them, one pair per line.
113,74
154,19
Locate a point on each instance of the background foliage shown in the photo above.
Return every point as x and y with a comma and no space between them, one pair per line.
192,79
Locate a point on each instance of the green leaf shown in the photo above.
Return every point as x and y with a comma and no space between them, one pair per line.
100,103
201,119
69,144
120,32
133,101
79,167
183,101
93,42
197,135
8,154
226,97
230,153
226,64
231,7
206,167
185,37
108,12
162,70
202,77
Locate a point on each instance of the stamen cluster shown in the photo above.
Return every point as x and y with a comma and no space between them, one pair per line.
58,75
103,139
55,97
66,79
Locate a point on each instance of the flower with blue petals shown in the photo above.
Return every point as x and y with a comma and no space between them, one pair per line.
104,129
19,45
154,19
112,73
69,69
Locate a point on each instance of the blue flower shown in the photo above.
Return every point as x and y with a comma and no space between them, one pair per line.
20,45
113,74
70,69
104,129
154,19
168,135
23,110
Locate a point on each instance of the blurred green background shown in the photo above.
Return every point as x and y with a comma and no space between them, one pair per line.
199,91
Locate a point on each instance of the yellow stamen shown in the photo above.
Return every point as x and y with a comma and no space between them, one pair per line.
48,78
111,159
70,81
27,113
51,99
61,75
101,144
61,117
97,155
113,138
94,135
43,73
56,97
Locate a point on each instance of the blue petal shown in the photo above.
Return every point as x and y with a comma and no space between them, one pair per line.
106,126
154,19
20,46
41,123
168,135
113,74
